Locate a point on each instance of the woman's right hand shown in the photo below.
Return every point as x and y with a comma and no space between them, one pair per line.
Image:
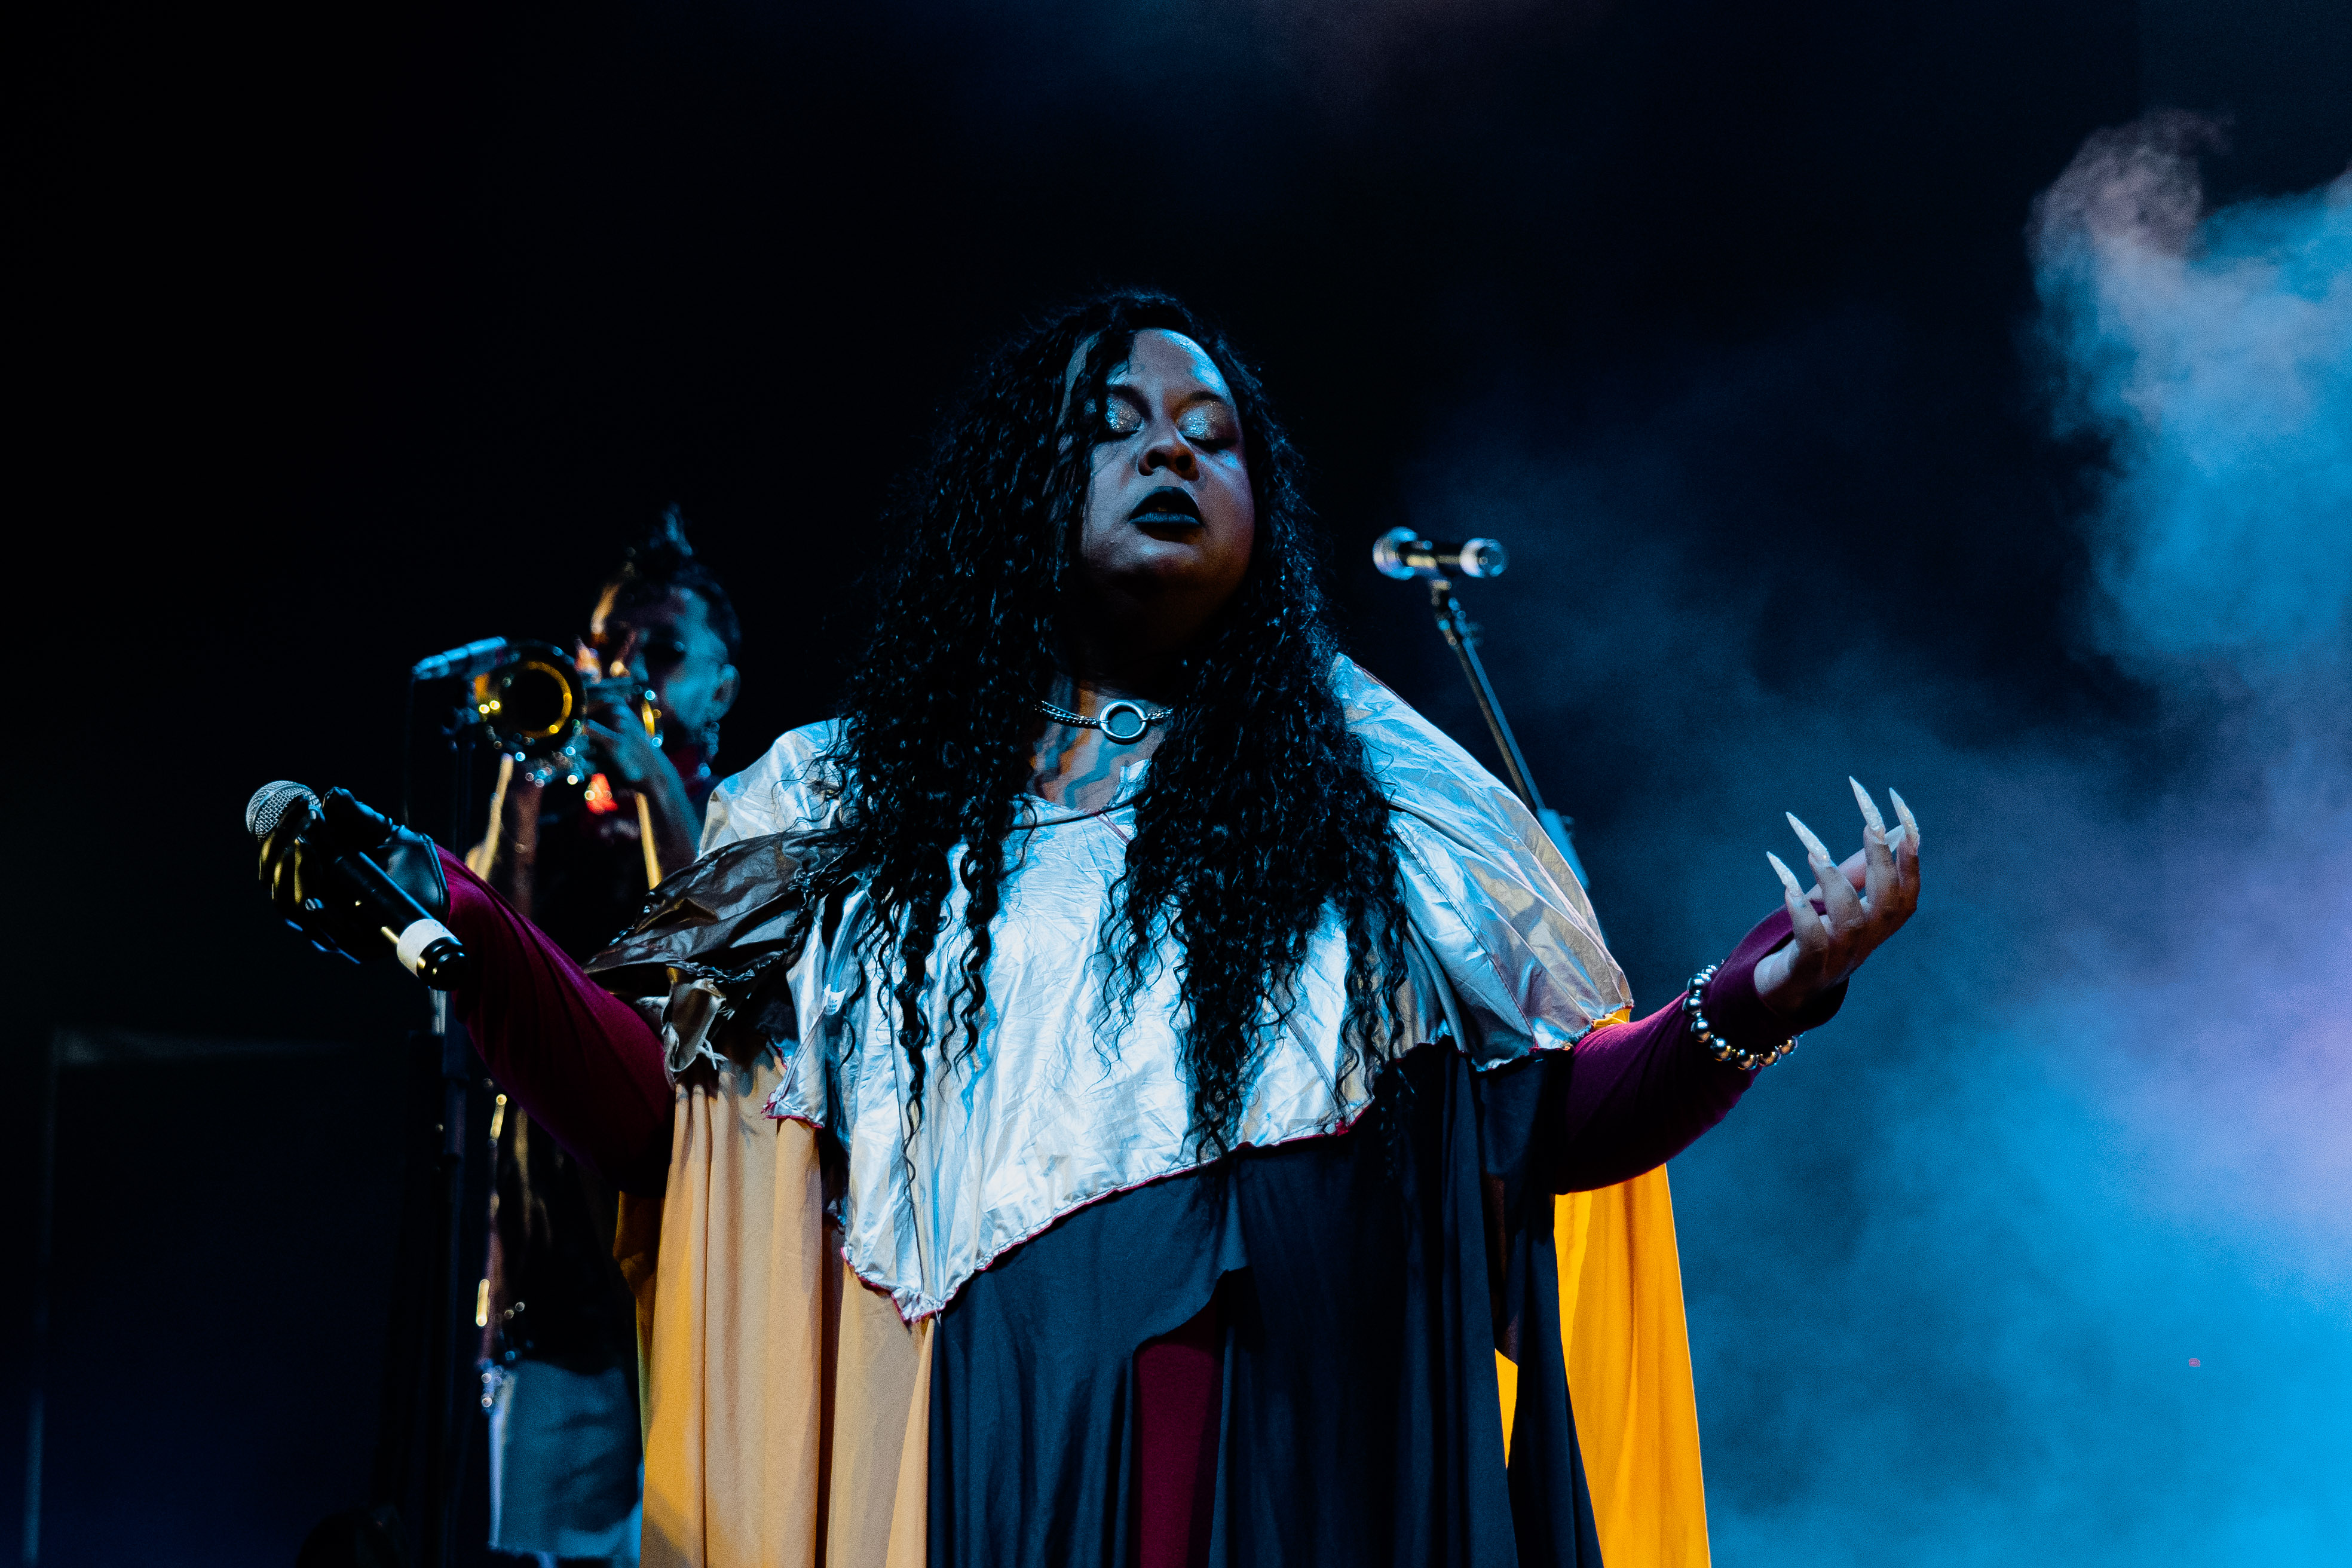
295,858
297,861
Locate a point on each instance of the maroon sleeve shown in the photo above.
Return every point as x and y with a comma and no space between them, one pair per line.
578,1058
1178,1392
1638,1094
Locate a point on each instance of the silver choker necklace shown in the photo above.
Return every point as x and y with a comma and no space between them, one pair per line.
1122,720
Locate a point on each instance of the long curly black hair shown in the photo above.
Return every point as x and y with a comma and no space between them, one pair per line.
1260,812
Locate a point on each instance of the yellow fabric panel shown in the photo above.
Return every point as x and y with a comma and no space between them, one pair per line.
880,1432
786,1406
1507,1382
1629,1372
909,1517
734,1398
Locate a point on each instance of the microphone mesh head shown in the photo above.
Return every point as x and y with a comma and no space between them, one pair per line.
270,804
1484,558
1388,554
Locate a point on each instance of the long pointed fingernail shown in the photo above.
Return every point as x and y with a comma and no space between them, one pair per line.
1787,877
1909,821
1895,837
1812,843
1869,806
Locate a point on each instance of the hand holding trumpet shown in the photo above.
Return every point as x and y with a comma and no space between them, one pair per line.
620,716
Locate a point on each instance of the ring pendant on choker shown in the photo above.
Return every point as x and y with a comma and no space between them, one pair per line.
1121,720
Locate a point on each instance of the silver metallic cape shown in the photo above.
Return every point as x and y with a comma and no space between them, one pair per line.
1056,1109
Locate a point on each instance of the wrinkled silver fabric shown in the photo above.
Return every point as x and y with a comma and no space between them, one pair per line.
1056,1107
693,1006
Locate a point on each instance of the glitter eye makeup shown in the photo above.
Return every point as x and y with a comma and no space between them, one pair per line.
1207,424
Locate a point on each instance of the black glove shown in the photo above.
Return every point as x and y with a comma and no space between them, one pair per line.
297,871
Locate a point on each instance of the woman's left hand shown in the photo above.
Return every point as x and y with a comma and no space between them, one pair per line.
1865,902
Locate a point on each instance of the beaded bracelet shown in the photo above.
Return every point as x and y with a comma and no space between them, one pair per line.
1704,1032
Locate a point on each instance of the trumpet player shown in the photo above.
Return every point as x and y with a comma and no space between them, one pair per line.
660,658
559,1333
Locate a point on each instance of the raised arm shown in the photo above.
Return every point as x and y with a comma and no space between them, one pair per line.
579,1059
507,858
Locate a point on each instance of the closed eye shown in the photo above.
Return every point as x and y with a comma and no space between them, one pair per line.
1121,417
1212,434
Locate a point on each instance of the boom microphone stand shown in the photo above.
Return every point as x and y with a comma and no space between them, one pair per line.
445,1292
1405,555
443,1215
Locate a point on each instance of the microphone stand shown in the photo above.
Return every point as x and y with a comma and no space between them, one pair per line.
1461,635
432,1293
445,1293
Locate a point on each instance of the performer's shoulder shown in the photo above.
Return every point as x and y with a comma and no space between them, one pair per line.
1405,749
793,785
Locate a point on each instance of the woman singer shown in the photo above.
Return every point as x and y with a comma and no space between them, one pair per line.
1101,1098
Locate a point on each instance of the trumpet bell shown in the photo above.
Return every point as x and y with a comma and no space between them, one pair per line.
532,704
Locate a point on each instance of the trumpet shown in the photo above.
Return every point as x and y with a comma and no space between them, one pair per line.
530,698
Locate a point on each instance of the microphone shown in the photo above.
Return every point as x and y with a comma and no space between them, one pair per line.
425,948
1405,555
474,658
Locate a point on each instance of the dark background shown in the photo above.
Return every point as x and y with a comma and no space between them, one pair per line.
344,337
